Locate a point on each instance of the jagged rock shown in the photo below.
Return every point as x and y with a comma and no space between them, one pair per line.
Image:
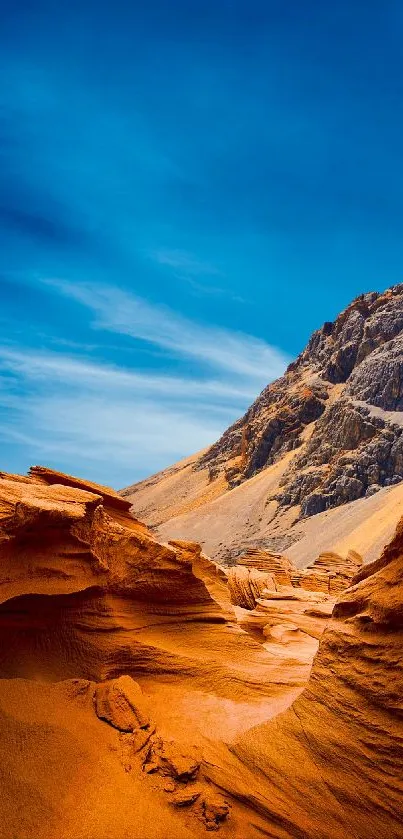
271,427
369,322
169,758
379,378
351,450
186,797
325,434
247,585
121,703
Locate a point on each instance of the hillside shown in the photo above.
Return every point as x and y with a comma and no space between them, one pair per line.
328,433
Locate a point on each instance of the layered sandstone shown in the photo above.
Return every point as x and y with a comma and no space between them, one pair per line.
121,653
84,594
258,571
331,766
134,702
286,607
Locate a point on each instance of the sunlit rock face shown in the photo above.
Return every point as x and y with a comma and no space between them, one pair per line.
285,607
327,433
145,691
118,652
331,766
82,581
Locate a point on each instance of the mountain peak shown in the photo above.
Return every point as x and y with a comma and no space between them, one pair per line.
327,432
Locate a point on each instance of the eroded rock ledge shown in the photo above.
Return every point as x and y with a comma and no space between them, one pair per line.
94,611
331,766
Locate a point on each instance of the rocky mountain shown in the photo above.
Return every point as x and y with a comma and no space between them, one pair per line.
145,691
328,432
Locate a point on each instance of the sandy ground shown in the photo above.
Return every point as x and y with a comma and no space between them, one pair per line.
241,517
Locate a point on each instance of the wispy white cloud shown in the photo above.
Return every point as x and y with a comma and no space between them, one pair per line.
185,262
115,424
116,310
201,276
45,366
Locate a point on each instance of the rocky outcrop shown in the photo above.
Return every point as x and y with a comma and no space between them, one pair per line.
84,595
121,703
353,452
371,321
363,348
378,380
329,573
247,586
286,608
271,427
274,564
328,432
331,766
259,571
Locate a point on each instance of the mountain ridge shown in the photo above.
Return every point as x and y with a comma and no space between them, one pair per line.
326,433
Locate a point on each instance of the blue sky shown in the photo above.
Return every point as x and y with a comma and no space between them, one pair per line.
188,189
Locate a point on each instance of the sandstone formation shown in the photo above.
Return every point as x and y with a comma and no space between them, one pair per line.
258,571
121,703
331,766
137,700
100,622
83,594
327,433
285,605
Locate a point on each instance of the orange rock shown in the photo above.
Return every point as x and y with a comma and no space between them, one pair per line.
186,797
246,585
274,564
121,703
171,759
332,764
90,607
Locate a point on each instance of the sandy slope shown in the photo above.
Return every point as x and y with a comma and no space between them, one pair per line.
242,518
63,767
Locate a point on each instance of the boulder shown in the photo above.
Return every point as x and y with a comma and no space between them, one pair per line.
121,703
170,758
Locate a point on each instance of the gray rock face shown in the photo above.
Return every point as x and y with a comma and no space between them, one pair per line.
368,323
272,426
353,450
379,378
350,453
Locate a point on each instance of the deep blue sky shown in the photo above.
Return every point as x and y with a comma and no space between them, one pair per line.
188,189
